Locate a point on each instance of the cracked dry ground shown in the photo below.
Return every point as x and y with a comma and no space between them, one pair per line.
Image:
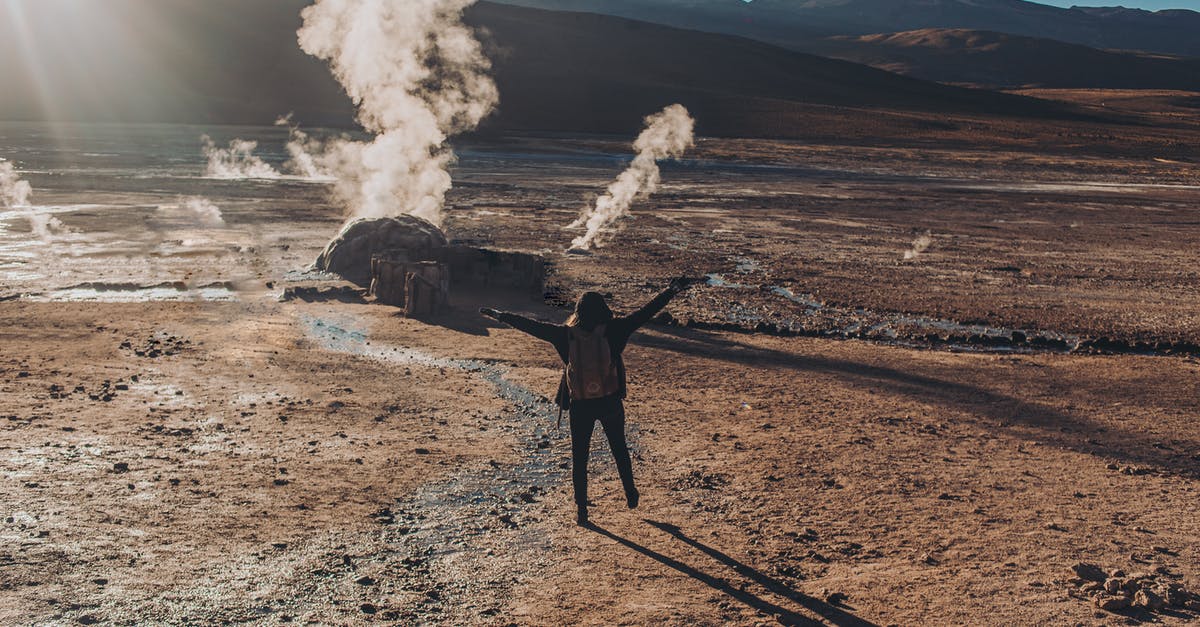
247,473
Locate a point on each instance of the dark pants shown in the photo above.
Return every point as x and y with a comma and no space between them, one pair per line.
611,414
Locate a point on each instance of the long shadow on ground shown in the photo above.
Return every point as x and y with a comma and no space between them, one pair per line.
834,615
1092,439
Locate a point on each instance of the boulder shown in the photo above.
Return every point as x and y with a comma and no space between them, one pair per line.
349,254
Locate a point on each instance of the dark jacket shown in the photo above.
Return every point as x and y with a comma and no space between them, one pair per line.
618,331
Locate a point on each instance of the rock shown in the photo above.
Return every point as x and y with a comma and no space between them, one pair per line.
310,293
120,467
1110,603
836,598
1114,585
365,581
368,608
1089,572
1149,600
1177,596
349,254
1141,577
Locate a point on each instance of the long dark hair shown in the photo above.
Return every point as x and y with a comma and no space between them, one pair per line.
590,312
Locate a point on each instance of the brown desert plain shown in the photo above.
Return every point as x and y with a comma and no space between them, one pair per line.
826,433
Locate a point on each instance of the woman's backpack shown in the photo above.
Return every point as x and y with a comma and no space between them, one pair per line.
591,369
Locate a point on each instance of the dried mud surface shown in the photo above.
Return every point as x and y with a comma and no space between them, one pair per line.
252,461
268,467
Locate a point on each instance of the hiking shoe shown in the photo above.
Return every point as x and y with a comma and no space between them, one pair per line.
632,499
581,517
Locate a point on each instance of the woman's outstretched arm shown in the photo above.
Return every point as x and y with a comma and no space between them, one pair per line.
631,323
553,333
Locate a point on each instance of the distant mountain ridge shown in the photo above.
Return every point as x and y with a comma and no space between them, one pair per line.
237,61
790,23
558,69
1000,60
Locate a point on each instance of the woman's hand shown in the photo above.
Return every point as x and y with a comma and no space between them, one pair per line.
490,313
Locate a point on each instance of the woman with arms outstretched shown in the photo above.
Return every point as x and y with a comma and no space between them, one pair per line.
593,388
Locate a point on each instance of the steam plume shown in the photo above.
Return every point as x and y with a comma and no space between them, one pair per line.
46,227
194,210
306,152
236,162
667,135
919,245
417,76
14,192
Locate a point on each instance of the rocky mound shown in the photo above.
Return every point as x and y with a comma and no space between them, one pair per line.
349,254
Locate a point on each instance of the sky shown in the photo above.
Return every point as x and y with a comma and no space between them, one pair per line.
1152,5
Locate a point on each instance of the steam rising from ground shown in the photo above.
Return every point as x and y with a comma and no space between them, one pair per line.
305,152
417,76
14,192
236,162
195,210
668,134
919,245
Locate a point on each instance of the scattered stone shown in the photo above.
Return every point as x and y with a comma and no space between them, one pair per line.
384,516
120,467
1177,596
1110,603
1148,599
319,293
1089,572
836,598
1140,589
